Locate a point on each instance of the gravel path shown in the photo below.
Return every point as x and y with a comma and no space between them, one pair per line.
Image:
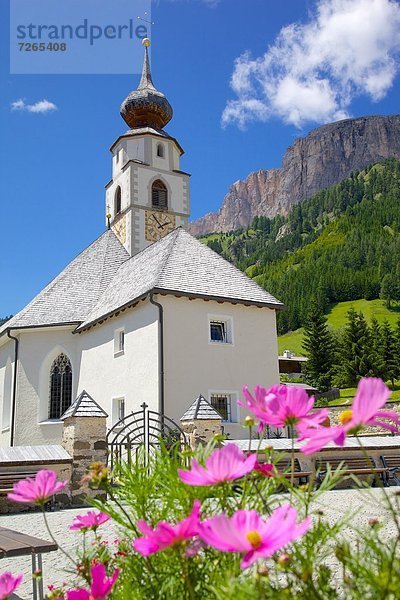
364,504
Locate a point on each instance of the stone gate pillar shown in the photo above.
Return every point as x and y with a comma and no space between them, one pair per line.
85,439
201,422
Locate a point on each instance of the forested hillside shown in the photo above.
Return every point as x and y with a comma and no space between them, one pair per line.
341,244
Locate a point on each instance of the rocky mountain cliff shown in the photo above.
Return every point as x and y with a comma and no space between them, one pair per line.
322,158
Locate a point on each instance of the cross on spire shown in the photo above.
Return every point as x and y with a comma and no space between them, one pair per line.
145,20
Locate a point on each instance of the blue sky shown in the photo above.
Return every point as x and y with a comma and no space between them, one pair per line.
245,78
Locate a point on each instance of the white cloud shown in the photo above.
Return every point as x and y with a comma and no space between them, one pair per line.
312,71
42,106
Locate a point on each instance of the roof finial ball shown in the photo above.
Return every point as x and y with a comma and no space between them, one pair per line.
146,106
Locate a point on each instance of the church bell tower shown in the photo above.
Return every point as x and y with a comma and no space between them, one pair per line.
148,195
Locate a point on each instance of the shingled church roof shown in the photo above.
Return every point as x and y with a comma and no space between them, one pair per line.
178,264
75,291
104,279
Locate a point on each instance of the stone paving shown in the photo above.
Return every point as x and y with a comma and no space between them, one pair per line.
363,504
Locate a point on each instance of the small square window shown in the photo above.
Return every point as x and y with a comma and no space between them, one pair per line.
119,342
220,330
222,404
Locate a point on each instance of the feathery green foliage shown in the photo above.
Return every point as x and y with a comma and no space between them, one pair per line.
342,244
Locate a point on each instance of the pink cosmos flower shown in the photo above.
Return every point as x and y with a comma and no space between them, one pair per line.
282,406
266,469
166,535
8,584
371,396
37,490
91,520
246,532
224,464
100,588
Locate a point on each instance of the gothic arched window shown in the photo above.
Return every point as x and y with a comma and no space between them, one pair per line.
60,386
159,195
117,201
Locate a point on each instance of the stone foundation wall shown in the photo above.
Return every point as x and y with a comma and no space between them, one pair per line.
85,440
200,431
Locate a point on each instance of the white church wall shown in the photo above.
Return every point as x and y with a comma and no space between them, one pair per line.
135,148
6,380
173,181
195,366
37,351
170,160
132,375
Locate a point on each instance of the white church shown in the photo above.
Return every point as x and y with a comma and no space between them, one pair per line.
146,313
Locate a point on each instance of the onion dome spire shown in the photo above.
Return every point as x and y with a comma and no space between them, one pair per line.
146,106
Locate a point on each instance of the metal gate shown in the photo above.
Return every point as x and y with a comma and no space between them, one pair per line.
137,435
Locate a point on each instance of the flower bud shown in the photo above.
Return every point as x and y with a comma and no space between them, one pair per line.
284,559
263,571
249,421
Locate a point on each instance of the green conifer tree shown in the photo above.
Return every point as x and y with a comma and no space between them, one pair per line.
319,346
389,352
354,356
376,355
397,349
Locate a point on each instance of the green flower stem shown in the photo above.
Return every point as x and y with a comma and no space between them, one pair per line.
292,463
53,538
186,577
120,506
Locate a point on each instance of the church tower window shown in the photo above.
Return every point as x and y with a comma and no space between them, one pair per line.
60,386
117,201
160,150
159,195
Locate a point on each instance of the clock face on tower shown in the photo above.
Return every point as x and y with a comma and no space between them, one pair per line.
158,224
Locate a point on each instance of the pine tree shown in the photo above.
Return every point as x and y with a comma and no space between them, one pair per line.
319,346
376,357
354,356
397,349
388,289
389,354
366,362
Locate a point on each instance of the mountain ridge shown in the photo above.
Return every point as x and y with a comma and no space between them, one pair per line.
341,244
322,158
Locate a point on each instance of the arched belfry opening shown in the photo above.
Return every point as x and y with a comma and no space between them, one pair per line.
159,195
60,386
117,201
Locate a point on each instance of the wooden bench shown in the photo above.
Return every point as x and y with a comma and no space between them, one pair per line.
14,543
284,467
7,480
357,465
392,464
